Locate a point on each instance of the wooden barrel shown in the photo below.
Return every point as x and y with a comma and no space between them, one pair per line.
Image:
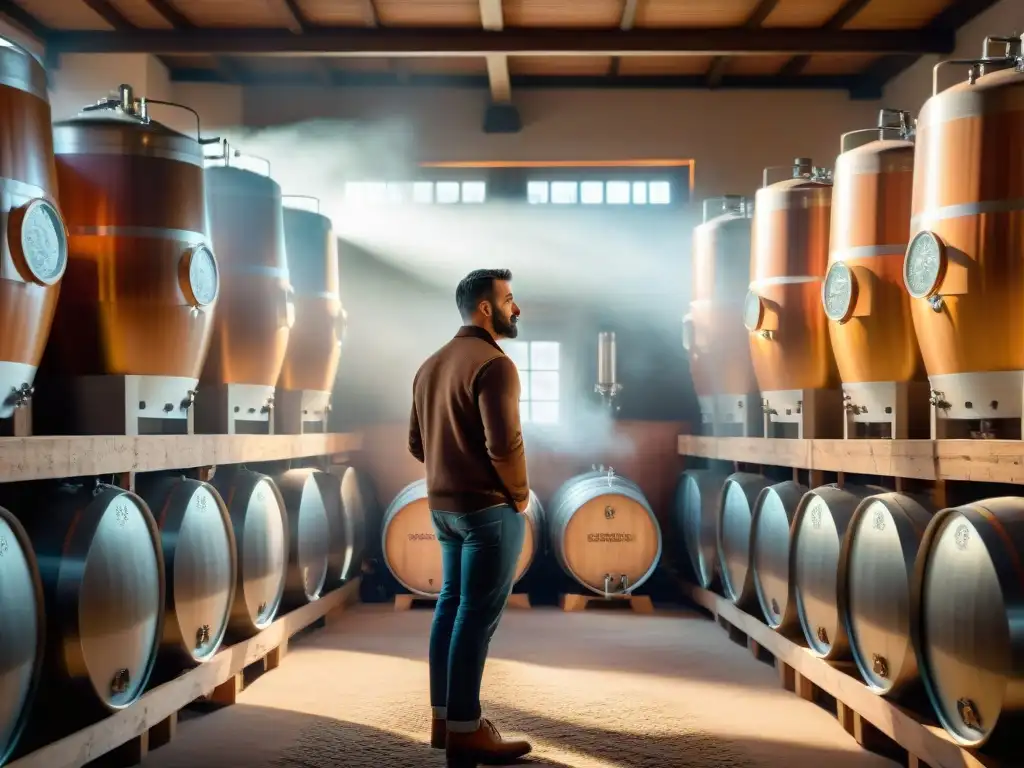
200,563
260,524
36,256
876,566
696,510
735,515
604,533
769,554
411,550
357,523
821,520
21,650
967,599
309,533
102,570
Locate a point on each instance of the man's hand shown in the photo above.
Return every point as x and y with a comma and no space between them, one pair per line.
522,505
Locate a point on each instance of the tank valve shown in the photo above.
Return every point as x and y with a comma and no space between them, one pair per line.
607,584
261,609
20,396
119,685
938,401
767,409
202,636
623,582
775,607
268,406
969,713
189,400
880,666
823,635
935,302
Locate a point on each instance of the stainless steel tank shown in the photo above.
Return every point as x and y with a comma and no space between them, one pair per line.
876,565
309,534
735,518
21,649
261,530
354,515
698,495
200,563
967,599
774,511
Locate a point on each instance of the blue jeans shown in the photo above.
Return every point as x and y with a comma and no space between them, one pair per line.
479,552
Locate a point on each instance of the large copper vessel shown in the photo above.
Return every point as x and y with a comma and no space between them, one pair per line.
141,280
314,345
788,334
963,267
713,334
256,310
34,261
863,296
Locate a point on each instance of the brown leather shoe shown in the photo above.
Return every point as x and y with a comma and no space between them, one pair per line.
483,746
438,732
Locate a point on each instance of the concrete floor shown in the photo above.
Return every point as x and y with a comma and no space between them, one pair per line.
600,689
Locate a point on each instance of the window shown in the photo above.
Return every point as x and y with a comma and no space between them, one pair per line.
419,192
598,192
538,364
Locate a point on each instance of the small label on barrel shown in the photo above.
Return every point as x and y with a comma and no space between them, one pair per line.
201,503
962,536
121,514
422,537
610,538
3,546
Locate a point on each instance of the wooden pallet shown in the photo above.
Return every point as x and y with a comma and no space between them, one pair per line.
872,720
38,458
125,737
572,603
406,602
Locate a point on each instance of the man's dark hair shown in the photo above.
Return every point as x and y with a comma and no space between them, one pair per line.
477,286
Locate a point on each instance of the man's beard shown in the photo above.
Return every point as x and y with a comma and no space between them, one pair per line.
506,327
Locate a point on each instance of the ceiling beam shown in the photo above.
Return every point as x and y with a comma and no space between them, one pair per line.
23,19
838,20
954,16
231,68
388,42
638,82
499,81
720,64
626,21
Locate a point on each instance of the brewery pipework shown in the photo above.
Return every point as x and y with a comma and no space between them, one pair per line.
607,386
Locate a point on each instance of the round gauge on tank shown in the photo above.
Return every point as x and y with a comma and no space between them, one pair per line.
839,293
924,265
43,241
201,277
753,311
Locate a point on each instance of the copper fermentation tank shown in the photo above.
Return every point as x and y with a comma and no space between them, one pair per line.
314,345
966,602
788,335
309,533
142,280
22,647
964,268
102,571
260,525
714,335
867,307
33,263
200,564
256,309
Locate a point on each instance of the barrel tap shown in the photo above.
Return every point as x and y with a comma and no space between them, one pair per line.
20,396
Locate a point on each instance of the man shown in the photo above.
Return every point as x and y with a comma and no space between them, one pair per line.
465,428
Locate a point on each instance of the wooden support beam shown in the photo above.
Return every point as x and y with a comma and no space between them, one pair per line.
22,18
720,64
837,21
626,21
233,70
499,80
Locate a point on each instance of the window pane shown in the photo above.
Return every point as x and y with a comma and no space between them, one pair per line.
398,191
592,192
563,192
519,351
474,191
355,191
524,411
544,413
423,192
660,192
639,192
448,191
375,192
544,356
544,385
536,192
617,192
